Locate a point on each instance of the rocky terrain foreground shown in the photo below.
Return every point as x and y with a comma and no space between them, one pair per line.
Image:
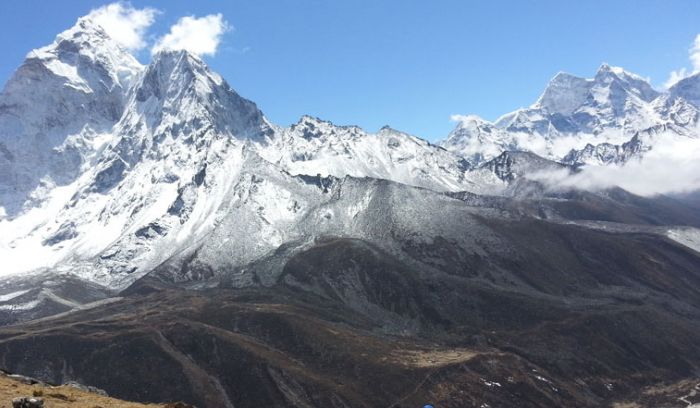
13,387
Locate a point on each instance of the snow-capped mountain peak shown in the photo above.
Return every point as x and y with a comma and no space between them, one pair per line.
310,127
688,89
476,139
87,40
622,84
564,94
313,146
178,70
567,93
56,110
177,95
573,113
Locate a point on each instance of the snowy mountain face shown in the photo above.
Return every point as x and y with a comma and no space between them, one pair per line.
313,146
56,110
598,118
606,153
509,166
110,168
687,89
478,140
129,165
171,163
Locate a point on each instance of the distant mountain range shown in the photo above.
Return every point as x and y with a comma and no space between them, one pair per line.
103,147
608,119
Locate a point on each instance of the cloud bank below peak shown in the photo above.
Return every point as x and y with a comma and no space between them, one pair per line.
669,168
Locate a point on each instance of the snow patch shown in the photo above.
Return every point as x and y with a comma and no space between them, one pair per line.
689,237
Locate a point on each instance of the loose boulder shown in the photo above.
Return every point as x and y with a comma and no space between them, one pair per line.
27,402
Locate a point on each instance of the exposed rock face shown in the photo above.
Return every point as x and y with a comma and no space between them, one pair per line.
509,166
27,402
606,153
86,388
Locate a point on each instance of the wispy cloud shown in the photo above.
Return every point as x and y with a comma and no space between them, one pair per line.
124,23
200,36
675,76
694,56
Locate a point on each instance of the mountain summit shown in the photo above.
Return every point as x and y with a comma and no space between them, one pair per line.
55,110
688,89
178,93
574,113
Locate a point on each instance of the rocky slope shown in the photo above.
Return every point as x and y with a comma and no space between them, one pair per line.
13,386
527,312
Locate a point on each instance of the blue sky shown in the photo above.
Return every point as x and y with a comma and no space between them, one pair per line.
409,64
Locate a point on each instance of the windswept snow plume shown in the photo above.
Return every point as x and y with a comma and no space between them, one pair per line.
668,168
124,23
200,36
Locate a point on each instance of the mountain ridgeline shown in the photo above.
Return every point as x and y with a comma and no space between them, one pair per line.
162,240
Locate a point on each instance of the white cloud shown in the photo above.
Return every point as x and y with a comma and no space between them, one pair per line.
670,167
200,36
675,76
124,23
694,56
460,118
